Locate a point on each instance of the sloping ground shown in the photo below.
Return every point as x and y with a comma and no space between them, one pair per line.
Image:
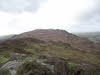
62,36
37,48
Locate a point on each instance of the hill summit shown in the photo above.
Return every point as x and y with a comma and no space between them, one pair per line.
63,36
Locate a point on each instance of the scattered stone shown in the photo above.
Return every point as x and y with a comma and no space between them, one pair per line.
42,57
17,56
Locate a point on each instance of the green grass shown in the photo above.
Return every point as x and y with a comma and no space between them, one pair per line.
30,59
5,73
3,59
72,65
50,49
56,50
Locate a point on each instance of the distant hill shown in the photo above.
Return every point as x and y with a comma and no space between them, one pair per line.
2,38
93,36
62,36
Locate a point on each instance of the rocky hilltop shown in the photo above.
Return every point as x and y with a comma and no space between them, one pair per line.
62,36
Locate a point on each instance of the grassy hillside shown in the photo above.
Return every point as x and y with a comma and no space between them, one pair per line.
62,36
36,48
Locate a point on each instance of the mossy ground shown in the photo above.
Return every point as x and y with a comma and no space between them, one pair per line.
36,48
4,57
50,49
5,73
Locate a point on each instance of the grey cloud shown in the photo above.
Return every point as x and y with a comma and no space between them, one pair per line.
20,5
84,28
89,21
92,17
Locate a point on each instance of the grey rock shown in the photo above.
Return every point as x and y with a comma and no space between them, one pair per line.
11,66
17,56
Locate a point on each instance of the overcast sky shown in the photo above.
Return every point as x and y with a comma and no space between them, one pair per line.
17,16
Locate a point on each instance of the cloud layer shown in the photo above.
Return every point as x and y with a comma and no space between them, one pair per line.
71,15
89,20
92,17
20,5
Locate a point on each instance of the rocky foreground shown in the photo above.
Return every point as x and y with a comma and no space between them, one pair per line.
44,65
55,66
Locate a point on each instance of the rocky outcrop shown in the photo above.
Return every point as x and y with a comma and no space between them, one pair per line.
54,66
13,63
11,67
51,66
33,68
